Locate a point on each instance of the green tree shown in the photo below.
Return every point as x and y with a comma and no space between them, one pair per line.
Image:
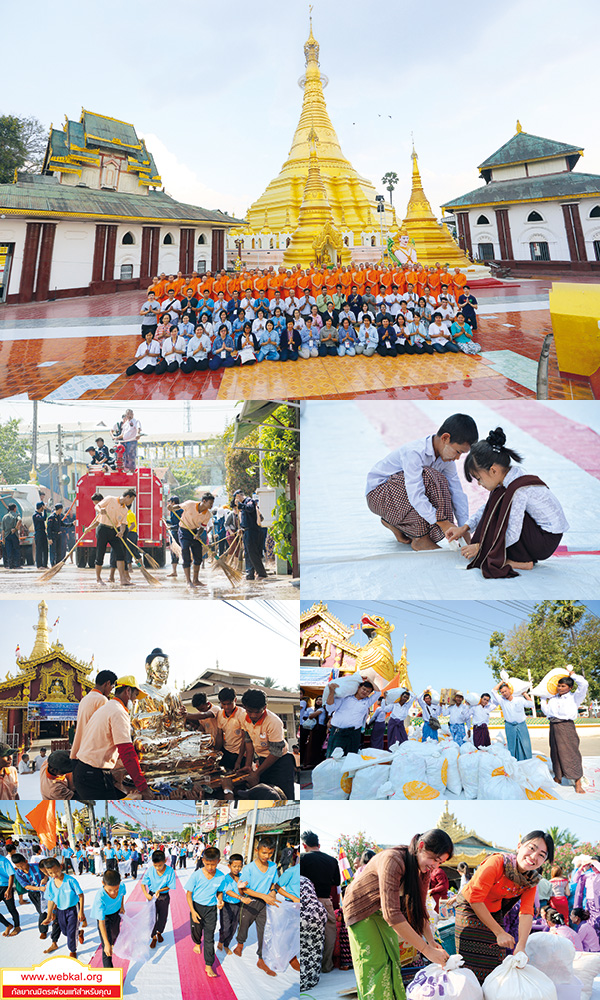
280,451
15,458
240,473
561,837
390,180
22,145
557,633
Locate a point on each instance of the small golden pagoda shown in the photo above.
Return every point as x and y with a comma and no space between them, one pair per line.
316,237
433,242
351,197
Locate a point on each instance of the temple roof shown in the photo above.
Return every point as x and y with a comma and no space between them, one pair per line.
82,142
43,195
523,148
565,184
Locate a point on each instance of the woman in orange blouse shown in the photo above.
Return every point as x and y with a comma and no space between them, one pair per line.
494,889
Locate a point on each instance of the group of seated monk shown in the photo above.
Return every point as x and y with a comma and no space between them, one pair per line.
209,323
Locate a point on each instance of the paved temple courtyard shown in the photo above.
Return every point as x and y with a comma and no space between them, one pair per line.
79,348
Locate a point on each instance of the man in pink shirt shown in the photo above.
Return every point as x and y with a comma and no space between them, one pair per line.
107,737
90,703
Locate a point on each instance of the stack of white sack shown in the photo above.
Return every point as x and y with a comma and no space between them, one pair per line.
414,770
449,981
515,979
555,956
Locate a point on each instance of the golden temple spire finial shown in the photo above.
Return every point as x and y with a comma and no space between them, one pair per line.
42,632
311,46
519,128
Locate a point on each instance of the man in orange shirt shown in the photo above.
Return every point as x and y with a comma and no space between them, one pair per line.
107,738
90,703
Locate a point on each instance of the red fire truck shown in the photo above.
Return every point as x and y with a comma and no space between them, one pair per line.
148,509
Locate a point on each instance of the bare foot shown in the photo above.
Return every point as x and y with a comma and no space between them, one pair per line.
101,583
160,937
7,931
519,565
228,951
238,950
295,964
558,781
423,544
210,972
14,932
72,954
398,535
265,968
171,576
220,946
53,947
198,949
578,787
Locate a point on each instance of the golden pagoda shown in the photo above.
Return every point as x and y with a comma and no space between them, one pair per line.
351,197
433,242
402,668
316,237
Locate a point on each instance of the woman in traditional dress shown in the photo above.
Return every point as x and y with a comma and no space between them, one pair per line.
313,918
385,905
492,891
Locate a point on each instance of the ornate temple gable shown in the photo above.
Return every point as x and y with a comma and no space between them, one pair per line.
100,152
321,613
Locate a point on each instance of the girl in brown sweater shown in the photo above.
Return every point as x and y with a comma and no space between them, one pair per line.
385,905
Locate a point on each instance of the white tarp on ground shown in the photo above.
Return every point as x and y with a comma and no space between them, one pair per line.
345,549
158,978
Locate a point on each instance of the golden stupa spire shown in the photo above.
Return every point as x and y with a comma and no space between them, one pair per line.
315,232
346,190
42,632
433,243
401,667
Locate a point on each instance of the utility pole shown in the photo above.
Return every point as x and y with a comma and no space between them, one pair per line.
60,458
187,416
34,441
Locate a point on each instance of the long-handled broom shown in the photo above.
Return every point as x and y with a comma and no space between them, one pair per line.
233,574
174,545
48,574
138,561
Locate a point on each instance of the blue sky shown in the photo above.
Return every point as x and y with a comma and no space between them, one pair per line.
447,641
397,822
120,635
220,117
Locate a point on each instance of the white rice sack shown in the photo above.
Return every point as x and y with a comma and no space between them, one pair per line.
453,782
497,779
385,791
468,769
367,781
449,981
518,686
536,779
472,698
346,686
435,695
408,775
394,694
327,777
553,955
437,771
547,686
467,746
515,979
586,966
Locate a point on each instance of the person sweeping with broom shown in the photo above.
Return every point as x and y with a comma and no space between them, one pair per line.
193,523
112,522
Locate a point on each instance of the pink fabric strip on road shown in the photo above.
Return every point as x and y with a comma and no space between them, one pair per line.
193,979
96,963
572,440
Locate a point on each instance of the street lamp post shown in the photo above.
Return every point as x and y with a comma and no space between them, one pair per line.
381,210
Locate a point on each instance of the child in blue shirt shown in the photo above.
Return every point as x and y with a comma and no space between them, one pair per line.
65,898
158,882
7,882
34,881
259,880
205,897
107,908
110,856
230,914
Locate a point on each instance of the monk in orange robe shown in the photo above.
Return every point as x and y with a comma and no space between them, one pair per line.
446,278
435,281
272,284
459,280
346,282
331,282
317,281
220,284
372,279
360,280
303,283
233,286
260,283
386,280
412,276
399,276
206,284
158,287
181,283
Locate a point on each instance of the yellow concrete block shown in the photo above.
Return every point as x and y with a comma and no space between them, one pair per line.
575,314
